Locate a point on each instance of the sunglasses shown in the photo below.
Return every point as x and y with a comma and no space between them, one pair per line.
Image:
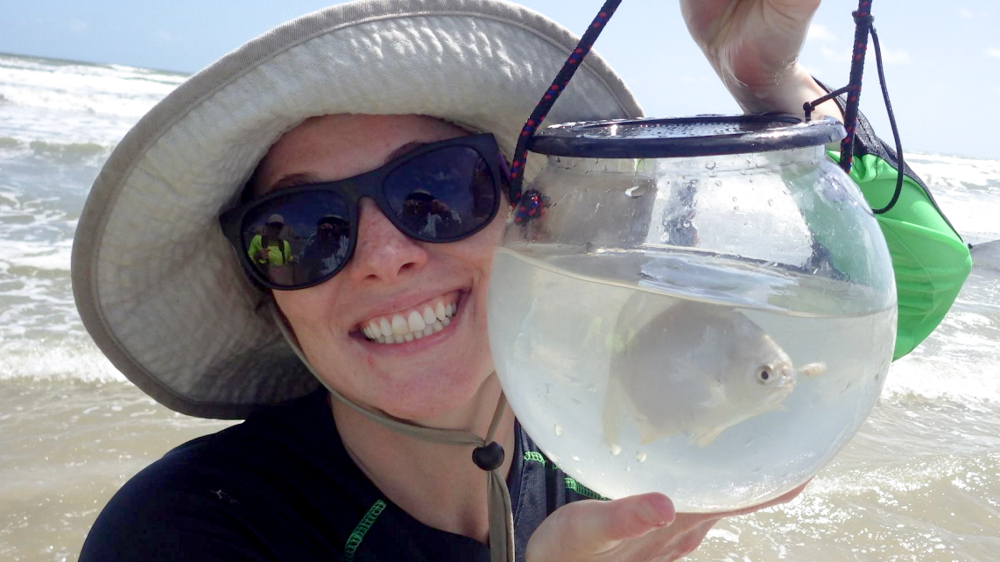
440,192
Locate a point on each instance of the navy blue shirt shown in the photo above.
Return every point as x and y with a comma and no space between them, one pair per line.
280,486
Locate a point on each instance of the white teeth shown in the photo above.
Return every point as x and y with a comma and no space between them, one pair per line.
429,316
414,326
415,322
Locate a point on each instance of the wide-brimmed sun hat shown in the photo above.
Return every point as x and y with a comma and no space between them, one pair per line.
156,283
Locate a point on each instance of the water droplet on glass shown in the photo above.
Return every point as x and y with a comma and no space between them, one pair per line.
770,202
734,199
718,183
736,208
640,456
710,165
615,450
574,457
558,429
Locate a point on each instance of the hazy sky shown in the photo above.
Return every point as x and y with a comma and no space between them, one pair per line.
942,58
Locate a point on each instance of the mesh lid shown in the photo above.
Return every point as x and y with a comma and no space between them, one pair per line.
705,135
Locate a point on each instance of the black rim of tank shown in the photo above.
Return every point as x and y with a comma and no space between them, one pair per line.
704,135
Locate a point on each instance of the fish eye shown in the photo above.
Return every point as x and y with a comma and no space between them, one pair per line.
765,375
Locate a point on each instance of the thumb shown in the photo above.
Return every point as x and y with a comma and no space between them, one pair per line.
580,530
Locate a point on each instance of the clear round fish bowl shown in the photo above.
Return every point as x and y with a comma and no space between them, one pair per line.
706,311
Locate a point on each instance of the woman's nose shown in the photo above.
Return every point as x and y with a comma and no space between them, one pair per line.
382,251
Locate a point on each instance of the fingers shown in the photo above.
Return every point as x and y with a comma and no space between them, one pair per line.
602,525
581,530
635,528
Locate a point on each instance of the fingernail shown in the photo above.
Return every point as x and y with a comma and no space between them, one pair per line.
653,512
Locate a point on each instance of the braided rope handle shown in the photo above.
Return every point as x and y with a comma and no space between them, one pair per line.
863,21
552,94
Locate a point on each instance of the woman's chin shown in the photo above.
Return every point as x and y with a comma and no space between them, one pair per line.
438,396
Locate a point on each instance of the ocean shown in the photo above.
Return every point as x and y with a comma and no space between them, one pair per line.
921,481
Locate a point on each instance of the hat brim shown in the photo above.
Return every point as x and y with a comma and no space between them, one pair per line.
157,285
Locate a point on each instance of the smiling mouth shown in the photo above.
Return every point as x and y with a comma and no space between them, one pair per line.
411,324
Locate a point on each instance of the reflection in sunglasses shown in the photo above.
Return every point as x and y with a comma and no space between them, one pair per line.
270,246
326,249
428,216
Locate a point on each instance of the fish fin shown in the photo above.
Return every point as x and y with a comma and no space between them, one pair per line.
812,369
648,433
614,343
706,437
611,414
717,394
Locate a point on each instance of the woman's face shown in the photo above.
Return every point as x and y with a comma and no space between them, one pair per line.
389,278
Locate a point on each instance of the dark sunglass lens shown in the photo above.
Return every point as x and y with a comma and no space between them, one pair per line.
442,195
299,238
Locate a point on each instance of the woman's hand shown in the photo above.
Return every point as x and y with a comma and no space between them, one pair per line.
634,529
754,46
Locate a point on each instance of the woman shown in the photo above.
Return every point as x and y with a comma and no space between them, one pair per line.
396,330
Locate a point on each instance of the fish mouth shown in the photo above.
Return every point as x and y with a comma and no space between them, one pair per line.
787,380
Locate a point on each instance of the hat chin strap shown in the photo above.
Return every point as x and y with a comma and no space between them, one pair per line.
488,455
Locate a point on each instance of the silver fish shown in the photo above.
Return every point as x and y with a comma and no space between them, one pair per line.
694,368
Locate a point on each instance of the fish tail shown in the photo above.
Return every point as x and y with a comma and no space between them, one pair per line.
812,370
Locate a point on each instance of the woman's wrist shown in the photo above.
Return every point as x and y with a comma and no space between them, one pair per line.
787,95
